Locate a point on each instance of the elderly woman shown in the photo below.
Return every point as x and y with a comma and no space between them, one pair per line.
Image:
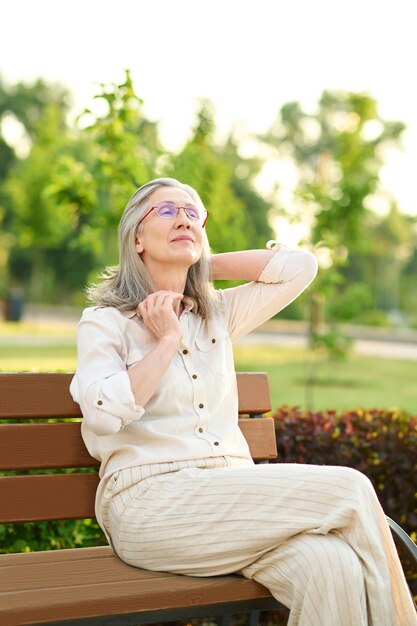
179,491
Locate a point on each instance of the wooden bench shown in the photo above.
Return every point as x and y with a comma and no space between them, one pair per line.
90,586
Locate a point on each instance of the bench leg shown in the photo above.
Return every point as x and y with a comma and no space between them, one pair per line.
225,620
252,619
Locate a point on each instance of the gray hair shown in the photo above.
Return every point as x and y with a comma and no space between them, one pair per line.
129,283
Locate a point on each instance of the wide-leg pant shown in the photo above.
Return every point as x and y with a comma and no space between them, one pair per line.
315,536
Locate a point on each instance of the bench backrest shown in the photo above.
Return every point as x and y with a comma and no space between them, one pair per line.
29,491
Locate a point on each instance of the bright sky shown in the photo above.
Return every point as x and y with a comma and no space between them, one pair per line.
249,57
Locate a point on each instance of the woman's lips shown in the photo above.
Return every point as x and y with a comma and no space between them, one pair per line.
183,238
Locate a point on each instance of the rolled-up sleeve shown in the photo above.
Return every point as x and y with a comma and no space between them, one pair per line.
101,385
286,276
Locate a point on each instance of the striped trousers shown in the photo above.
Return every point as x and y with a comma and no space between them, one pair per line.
315,536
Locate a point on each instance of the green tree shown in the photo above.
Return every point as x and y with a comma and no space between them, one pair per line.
36,108
238,214
27,103
338,152
64,200
35,222
392,250
382,261
408,279
243,183
122,152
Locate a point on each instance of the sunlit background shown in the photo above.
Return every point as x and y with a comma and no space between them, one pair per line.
248,57
243,61
217,80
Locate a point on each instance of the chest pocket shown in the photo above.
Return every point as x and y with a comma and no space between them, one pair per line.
216,352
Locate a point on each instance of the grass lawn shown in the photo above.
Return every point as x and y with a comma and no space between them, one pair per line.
26,347
34,358
368,382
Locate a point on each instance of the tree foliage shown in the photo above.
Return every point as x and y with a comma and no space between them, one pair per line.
338,152
61,197
64,200
121,148
237,212
39,111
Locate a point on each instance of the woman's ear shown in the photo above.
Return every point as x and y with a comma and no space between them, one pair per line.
138,246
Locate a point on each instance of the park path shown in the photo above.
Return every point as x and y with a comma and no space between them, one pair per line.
388,343
384,349
390,349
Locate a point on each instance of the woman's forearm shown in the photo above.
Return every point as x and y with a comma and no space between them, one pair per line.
244,265
146,375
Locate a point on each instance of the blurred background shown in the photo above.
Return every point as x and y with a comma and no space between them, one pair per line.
295,121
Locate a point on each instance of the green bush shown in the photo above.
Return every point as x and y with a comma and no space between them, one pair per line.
52,535
376,317
354,300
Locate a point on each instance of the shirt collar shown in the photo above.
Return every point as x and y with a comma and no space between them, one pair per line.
189,305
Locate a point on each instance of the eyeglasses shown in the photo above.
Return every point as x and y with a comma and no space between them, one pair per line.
169,210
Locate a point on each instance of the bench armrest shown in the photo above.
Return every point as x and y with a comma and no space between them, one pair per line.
405,540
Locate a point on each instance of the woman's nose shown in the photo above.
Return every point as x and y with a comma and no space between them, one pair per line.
182,219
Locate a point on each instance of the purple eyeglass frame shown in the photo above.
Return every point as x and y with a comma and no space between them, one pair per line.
179,207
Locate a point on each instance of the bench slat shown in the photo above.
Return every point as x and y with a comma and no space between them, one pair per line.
126,597
41,596
260,435
45,395
60,445
33,395
47,497
253,392
51,556
43,446
35,574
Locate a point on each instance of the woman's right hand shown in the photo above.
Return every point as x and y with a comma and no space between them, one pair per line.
159,312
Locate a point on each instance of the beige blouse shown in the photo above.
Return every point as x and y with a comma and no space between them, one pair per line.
194,412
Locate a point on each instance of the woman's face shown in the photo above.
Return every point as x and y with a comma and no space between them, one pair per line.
176,241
